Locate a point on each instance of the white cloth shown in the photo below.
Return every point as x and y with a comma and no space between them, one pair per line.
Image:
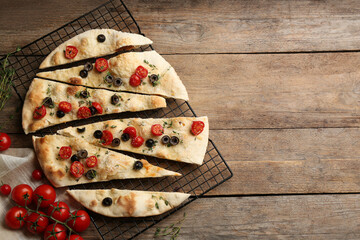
16,167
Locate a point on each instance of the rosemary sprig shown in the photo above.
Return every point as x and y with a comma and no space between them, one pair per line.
6,79
172,230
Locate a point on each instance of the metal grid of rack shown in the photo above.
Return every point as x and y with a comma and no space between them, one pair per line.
196,180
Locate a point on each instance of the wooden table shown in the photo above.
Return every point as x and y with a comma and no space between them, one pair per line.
280,82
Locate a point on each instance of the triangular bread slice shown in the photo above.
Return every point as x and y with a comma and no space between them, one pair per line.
88,46
40,89
123,66
128,203
190,149
110,165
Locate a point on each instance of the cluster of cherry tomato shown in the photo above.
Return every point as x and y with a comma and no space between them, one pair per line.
140,73
38,212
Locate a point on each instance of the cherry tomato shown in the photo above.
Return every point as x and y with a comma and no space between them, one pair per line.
55,231
37,174
101,64
107,137
75,237
71,52
131,131
65,152
22,194
141,72
80,220
59,210
135,80
5,189
91,161
137,141
98,107
157,130
5,141
36,223
77,169
84,112
14,218
197,127
39,112
65,106
46,193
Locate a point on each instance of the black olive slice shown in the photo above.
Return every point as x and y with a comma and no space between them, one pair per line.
80,130
88,66
138,165
107,202
48,102
115,142
125,137
91,174
109,78
98,134
115,99
60,114
82,153
117,82
83,73
74,158
165,139
85,94
150,143
93,110
153,78
101,38
174,140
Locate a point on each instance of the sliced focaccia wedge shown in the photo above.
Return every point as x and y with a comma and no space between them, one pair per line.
70,161
156,75
181,139
93,43
128,203
48,103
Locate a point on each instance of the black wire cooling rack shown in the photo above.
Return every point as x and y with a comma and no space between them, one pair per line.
196,180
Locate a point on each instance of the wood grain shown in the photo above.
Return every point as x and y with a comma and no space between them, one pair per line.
271,217
226,26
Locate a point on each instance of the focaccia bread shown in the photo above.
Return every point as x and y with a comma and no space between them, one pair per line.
48,95
128,203
56,160
121,68
190,148
89,44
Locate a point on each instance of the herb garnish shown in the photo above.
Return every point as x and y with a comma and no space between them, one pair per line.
168,125
173,230
150,65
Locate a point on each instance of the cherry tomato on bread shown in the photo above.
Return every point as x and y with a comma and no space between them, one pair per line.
91,161
65,106
5,141
107,137
101,64
39,112
71,52
197,127
84,112
135,80
141,72
131,131
137,141
65,152
98,107
157,130
77,169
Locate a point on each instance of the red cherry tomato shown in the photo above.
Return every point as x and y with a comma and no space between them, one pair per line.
22,194
107,137
157,130
65,152
14,218
65,106
37,174
75,237
141,72
5,189
5,141
101,64
84,112
91,161
197,127
71,52
135,80
77,169
137,141
80,220
39,112
59,210
36,223
55,231
46,193
131,131
98,107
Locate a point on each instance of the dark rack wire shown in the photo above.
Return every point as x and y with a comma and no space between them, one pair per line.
196,180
